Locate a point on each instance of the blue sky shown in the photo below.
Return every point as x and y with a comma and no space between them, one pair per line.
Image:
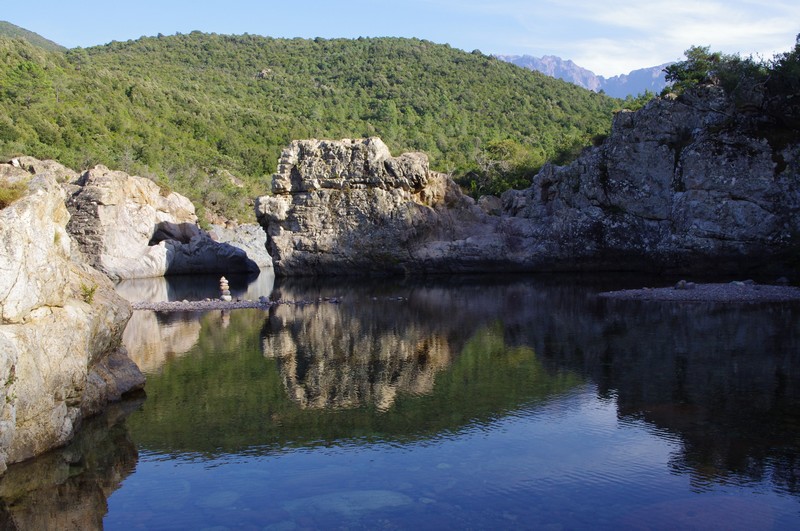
608,37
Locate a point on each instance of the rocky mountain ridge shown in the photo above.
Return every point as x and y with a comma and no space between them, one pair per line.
620,86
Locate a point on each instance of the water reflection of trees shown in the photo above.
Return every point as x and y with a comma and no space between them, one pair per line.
403,360
69,488
381,365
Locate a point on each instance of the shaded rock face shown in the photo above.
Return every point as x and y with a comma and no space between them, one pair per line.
679,185
128,228
60,329
248,237
683,185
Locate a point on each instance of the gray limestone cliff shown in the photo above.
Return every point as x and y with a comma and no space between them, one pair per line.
349,207
128,227
61,325
683,185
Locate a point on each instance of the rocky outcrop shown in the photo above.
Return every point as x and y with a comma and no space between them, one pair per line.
128,227
23,167
349,207
683,185
60,329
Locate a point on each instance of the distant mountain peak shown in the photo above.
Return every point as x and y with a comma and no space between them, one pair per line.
619,86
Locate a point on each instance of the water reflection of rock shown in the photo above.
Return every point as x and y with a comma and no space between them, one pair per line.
330,358
385,338
69,488
724,379
152,339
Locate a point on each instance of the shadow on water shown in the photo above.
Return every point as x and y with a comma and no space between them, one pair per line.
68,488
398,361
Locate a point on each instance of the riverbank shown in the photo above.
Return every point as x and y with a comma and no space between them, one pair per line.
732,292
218,304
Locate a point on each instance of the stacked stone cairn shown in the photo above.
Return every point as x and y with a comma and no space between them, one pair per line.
224,289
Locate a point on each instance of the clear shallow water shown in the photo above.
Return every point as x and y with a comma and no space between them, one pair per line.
468,403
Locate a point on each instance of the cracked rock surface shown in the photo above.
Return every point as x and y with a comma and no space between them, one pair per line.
61,325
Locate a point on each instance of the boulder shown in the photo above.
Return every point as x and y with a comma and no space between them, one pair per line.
61,358
684,185
33,166
249,237
128,227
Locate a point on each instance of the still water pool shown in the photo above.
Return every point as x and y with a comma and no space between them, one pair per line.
470,403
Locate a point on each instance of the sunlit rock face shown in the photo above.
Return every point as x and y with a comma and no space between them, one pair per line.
60,354
331,359
128,227
683,185
349,207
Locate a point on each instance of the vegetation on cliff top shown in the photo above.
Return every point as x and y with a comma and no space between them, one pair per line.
207,115
768,89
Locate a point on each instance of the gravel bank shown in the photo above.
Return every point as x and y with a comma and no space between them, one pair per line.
217,304
731,292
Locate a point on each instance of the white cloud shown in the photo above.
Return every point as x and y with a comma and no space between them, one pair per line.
617,36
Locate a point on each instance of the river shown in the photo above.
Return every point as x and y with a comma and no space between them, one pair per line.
523,402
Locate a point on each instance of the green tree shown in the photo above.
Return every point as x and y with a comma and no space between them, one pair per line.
183,108
699,67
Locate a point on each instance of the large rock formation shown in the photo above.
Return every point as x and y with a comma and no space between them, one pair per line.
683,185
128,227
60,328
349,207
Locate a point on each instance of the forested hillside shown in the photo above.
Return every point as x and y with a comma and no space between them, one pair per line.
8,29
207,115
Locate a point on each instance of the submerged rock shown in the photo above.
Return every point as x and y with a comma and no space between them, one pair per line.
348,504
